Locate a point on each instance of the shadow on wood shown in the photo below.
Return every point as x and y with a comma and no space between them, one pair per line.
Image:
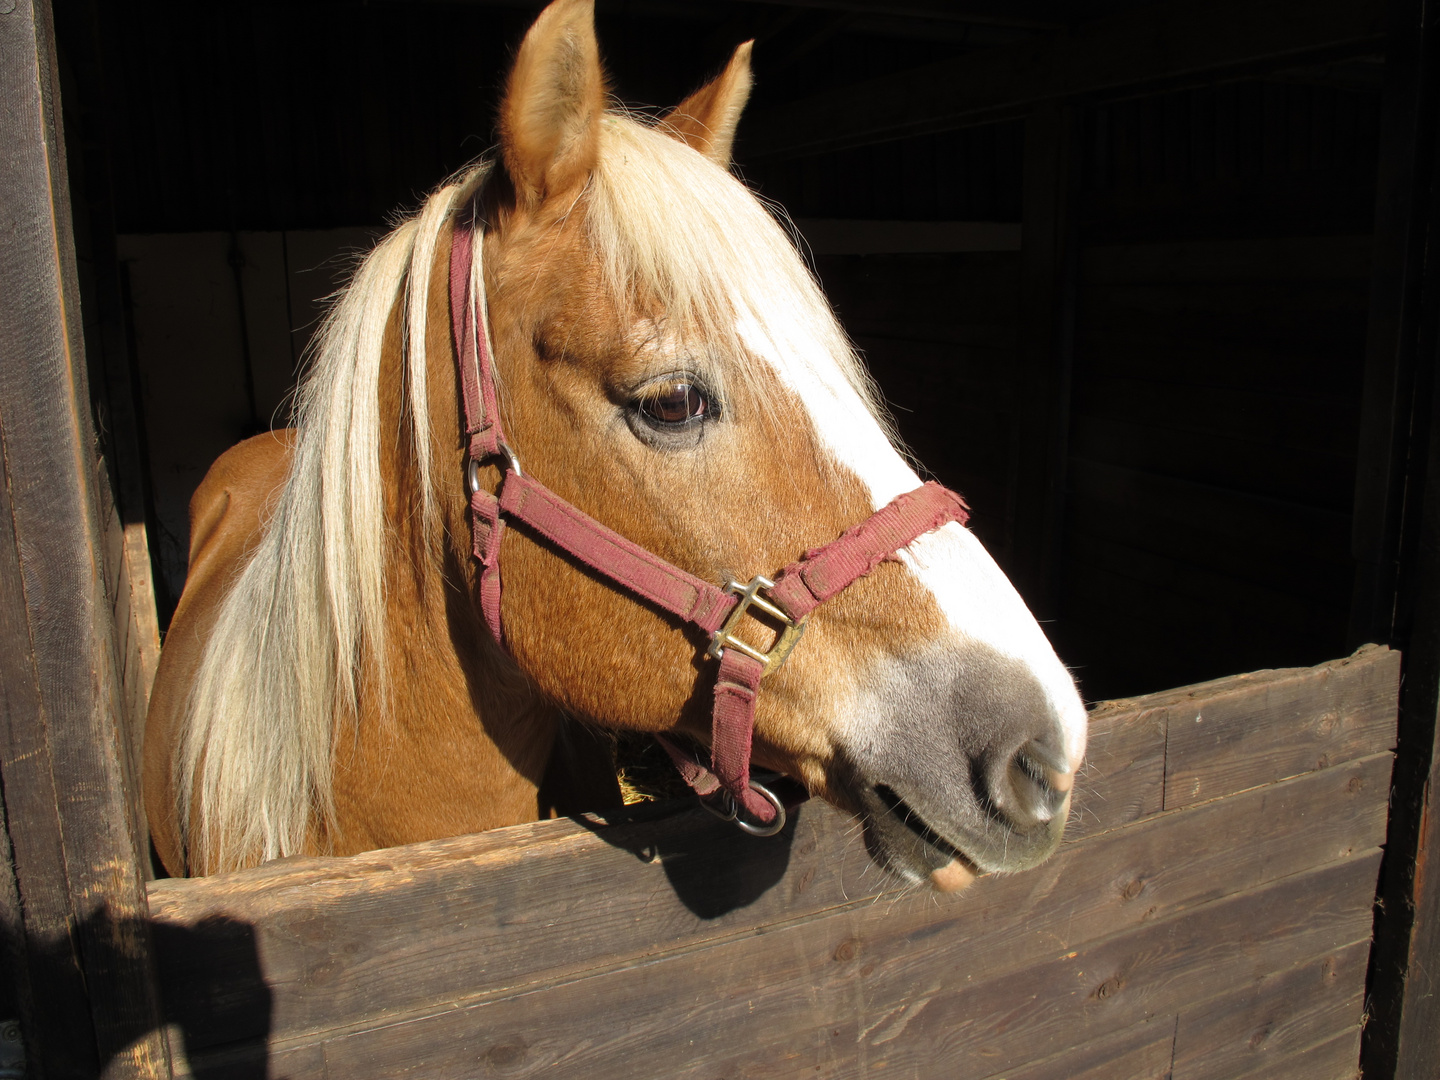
713,867
225,991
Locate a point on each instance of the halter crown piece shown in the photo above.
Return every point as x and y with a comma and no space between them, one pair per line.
724,785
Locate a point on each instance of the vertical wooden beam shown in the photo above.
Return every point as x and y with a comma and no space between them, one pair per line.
1397,540
76,865
1047,301
1410,887
114,380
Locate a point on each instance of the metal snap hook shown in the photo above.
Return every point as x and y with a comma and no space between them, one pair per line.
725,811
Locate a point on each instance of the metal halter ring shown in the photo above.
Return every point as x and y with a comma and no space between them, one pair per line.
729,810
472,466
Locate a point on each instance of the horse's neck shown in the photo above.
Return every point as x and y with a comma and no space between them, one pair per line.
457,747
457,740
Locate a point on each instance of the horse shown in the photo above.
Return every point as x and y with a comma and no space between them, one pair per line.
336,677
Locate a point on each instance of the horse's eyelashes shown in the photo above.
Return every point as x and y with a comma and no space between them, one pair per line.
675,402
672,412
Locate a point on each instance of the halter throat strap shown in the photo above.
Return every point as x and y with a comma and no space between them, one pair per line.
714,609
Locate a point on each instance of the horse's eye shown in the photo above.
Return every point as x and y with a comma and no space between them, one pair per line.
674,403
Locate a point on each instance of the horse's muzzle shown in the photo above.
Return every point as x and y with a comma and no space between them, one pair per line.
964,762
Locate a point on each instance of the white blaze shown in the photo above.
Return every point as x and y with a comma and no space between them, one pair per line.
975,596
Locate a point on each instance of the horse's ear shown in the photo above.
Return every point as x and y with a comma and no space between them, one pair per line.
706,120
550,117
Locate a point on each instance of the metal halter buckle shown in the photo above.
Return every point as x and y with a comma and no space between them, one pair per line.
785,641
729,810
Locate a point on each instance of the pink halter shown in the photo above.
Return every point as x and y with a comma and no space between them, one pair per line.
717,610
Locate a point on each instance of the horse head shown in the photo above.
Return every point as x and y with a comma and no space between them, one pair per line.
668,365
342,674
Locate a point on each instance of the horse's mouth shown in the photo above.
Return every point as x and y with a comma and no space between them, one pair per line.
903,841
911,820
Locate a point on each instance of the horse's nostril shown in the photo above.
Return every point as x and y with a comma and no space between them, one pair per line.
1030,790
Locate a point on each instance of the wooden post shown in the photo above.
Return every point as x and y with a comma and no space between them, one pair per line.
114,380
1047,302
1397,539
86,990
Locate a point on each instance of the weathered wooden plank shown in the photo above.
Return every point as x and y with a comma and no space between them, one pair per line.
780,1005
1291,723
333,943
35,853
1140,1052
76,860
1397,536
1151,971
1320,716
1170,45
321,944
122,467
1282,1014
1123,778
1333,1059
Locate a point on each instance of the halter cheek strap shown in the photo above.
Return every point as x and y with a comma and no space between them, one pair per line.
717,610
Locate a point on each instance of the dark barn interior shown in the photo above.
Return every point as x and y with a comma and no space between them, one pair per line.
1155,285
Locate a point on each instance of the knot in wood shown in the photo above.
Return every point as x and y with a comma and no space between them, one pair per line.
1109,988
507,1054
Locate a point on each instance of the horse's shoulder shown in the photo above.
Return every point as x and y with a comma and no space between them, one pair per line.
237,491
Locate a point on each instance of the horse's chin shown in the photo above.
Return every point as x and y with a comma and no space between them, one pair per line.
947,855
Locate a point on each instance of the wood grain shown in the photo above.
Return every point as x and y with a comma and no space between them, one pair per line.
516,951
1283,725
1333,1059
1123,778
77,862
1140,1052
1247,730
121,466
1278,1016
336,949
780,1005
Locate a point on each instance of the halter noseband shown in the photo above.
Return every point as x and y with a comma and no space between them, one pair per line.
717,610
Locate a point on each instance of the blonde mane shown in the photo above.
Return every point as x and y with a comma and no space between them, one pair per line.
285,663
